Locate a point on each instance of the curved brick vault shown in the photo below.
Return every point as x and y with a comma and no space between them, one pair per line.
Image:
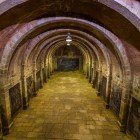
11,44
111,9
107,33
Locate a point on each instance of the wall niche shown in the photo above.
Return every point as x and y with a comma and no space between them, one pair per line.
38,80
44,75
133,126
95,80
103,87
15,99
115,98
30,90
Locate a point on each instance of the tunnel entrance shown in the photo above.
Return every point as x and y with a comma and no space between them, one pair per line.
68,58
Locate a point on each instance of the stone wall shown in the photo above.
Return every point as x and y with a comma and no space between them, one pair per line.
115,81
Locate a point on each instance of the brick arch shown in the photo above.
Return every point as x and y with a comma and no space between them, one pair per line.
44,44
53,42
97,53
39,37
105,31
25,54
110,41
88,57
78,38
24,63
122,12
59,33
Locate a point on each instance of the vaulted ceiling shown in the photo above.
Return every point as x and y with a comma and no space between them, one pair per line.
105,27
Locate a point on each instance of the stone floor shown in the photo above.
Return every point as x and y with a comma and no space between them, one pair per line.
67,107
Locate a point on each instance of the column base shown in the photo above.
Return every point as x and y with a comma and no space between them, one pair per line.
107,106
93,86
6,129
1,137
90,80
35,94
25,103
122,127
25,106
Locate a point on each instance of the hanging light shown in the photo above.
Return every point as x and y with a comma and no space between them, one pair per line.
68,43
68,38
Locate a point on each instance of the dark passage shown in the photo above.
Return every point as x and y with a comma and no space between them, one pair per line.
67,64
68,58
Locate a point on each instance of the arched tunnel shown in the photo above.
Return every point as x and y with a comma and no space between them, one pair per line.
86,90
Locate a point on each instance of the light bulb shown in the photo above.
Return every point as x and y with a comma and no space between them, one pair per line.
68,38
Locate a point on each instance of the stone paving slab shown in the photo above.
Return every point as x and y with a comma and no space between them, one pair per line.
66,108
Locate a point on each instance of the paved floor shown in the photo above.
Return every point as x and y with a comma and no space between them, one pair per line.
67,107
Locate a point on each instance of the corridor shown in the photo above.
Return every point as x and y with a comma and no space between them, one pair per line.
67,107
